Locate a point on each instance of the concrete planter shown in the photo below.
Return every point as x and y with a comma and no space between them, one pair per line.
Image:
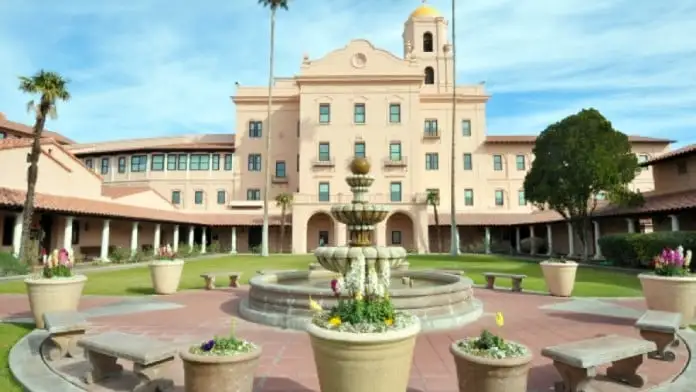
53,294
375,362
559,277
205,373
670,294
166,275
480,374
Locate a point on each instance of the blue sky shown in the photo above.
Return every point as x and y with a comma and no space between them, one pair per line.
147,68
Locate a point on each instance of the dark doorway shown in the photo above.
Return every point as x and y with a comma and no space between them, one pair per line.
46,229
323,238
198,235
254,237
8,230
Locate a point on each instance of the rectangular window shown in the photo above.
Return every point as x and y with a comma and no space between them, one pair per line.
395,192
176,197
430,127
521,200
171,162
138,163
157,163
221,196
121,164
395,113
255,129
254,163
395,152
521,163
228,162
280,169
324,191
324,152
359,150
198,197
216,161
199,162
499,201
468,197
253,194
642,158
104,166
396,237
432,161
498,162
183,161
468,164
89,163
324,113
466,127
359,113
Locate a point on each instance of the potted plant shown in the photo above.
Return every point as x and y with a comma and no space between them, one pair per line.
165,271
362,343
671,287
55,288
559,275
489,363
221,364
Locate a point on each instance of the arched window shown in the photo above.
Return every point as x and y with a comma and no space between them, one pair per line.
428,42
429,75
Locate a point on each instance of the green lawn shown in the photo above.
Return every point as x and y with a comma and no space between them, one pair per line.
136,281
9,335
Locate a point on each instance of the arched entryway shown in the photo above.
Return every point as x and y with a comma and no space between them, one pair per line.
320,231
400,231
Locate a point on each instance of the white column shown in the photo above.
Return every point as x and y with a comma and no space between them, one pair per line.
518,236
532,242
204,239
67,232
487,240
190,239
549,240
104,253
175,239
156,241
571,240
598,251
631,225
134,238
17,234
233,240
675,222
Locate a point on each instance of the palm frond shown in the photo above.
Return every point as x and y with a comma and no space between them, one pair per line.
274,4
50,85
31,106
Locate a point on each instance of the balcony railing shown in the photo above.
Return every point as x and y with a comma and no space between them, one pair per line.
280,179
401,161
345,198
323,162
431,134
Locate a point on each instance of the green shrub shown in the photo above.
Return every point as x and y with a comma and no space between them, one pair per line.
215,247
120,255
10,265
638,249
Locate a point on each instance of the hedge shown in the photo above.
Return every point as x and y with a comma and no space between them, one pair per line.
638,249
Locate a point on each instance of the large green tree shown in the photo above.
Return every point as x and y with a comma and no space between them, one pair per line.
273,5
575,160
51,88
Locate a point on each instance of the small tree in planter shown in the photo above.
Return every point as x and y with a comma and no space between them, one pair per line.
55,288
559,275
221,364
489,363
671,288
165,271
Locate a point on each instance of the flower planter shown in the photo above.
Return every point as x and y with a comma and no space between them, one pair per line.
670,294
166,275
559,277
53,294
483,374
375,362
233,373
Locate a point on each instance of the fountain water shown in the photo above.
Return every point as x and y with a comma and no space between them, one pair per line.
440,300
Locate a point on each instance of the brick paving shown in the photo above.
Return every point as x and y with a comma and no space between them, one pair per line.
287,363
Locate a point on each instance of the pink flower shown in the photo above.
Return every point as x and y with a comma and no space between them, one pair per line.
335,287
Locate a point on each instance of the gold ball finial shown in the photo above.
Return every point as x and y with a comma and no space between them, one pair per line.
360,166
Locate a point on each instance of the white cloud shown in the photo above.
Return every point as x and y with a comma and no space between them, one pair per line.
153,67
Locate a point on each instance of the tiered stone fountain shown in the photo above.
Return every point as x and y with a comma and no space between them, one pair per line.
439,299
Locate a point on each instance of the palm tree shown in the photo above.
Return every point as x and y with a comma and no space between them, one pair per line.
284,201
273,5
52,88
433,199
454,240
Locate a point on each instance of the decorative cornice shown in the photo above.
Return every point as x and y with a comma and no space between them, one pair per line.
309,79
463,98
261,99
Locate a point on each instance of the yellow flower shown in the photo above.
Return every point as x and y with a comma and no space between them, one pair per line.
499,320
358,297
335,321
313,305
389,322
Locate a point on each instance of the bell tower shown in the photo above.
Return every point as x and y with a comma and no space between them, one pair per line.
426,40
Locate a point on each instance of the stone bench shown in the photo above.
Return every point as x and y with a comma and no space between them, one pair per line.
516,280
660,328
150,358
577,362
65,329
210,279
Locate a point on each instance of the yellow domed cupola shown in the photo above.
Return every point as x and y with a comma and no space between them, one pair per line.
425,10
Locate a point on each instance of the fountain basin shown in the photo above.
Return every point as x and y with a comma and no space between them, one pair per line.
439,300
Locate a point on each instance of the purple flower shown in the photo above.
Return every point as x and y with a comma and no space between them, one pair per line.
207,346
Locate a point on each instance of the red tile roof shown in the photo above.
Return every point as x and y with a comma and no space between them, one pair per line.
187,146
28,131
678,153
525,139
